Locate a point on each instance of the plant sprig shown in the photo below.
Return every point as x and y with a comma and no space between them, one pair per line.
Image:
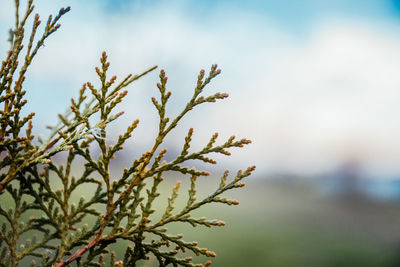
121,207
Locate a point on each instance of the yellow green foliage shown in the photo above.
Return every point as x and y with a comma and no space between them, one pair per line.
121,208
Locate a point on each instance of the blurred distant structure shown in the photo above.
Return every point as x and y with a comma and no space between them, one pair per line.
348,181
347,178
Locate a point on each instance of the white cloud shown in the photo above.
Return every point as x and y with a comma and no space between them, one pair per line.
306,103
332,97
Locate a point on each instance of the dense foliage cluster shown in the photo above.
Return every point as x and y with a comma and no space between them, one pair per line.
121,208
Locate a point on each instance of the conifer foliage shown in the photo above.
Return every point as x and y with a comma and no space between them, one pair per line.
36,192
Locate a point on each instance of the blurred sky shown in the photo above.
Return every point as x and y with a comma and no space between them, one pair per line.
312,83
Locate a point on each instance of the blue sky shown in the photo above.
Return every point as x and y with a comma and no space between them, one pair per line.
313,83
295,15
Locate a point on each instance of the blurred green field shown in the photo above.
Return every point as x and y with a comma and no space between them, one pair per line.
287,223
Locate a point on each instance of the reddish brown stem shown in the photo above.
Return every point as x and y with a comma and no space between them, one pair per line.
79,253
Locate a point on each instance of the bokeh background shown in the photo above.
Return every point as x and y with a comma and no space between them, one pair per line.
315,85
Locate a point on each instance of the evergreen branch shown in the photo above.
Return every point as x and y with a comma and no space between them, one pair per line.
35,182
